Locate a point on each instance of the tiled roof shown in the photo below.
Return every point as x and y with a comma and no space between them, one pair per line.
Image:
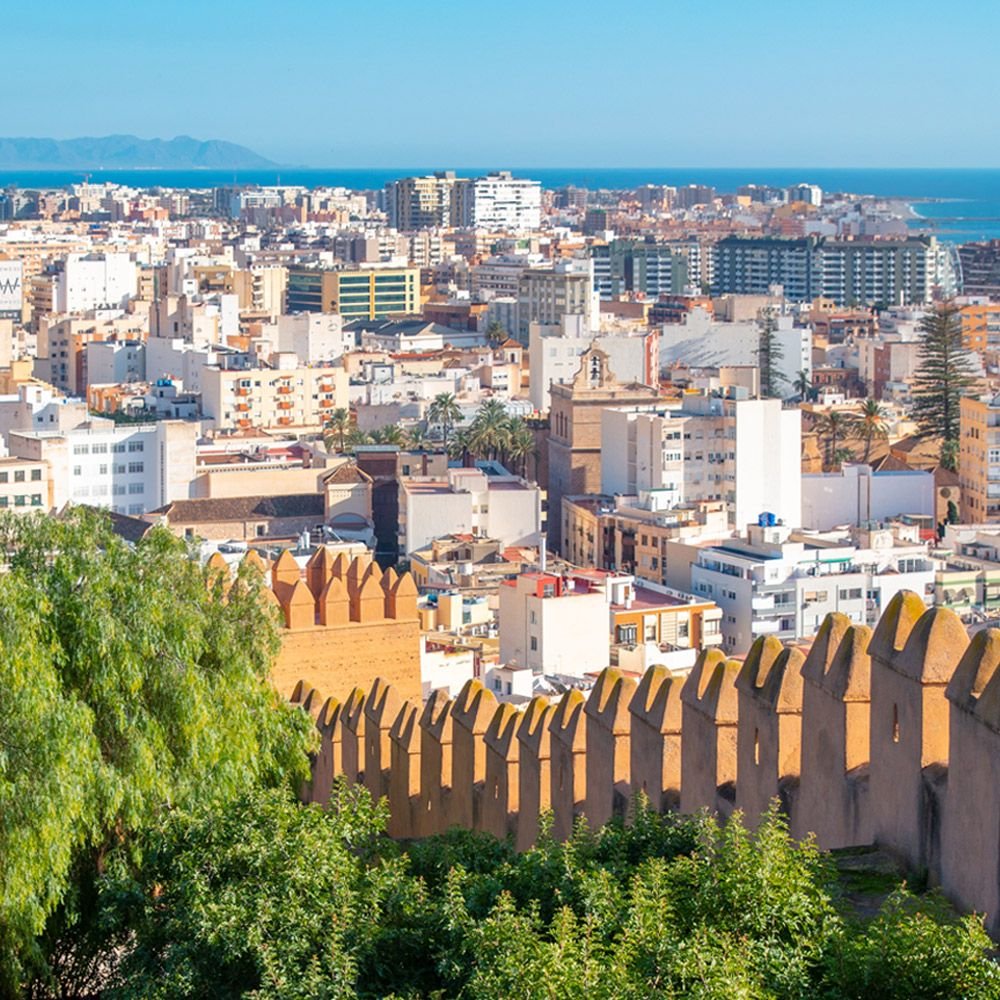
206,510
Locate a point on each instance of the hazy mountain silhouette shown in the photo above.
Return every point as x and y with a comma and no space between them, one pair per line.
125,151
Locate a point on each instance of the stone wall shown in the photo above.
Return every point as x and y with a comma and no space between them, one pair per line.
889,737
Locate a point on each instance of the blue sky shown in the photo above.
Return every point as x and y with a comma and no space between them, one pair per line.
542,83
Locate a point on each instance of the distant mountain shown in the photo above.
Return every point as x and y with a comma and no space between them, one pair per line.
125,152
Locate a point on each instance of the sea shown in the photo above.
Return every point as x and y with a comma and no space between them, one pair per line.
956,204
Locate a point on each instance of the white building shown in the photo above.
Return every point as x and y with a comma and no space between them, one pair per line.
550,625
746,452
314,337
704,342
487,502
777,583
112,361
856,495
546,295
94,280
499,201
130,468
554,351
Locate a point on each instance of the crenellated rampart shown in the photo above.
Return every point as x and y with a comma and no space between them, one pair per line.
887,737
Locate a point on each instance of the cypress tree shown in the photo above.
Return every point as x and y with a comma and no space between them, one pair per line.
769,353
942,378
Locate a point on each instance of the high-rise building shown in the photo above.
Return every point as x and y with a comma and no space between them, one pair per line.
499,201
422,202
980,264
546,295
355,293
646,267
849,272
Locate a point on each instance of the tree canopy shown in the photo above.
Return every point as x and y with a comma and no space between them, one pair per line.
132,686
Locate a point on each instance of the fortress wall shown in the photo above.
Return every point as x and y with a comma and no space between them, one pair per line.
889,737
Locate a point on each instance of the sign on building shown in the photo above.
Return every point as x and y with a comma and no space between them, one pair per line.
10,289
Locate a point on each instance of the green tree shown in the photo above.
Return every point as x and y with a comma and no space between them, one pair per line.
520,444
496,333
489,430
336,427
445,412
943,376
832,428
870,424
769,354
803,387
131,687
389,434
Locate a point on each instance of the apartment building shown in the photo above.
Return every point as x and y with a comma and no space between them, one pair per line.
776,582
356,293
980,320
285,396
546,295
979,459
638,267
92,281
849,272
501,203
25,485
707,448
980,264
429,202
129,468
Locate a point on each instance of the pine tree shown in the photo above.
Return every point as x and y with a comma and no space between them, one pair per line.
769,354
943,377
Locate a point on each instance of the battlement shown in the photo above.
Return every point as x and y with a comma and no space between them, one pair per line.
340,617
888,737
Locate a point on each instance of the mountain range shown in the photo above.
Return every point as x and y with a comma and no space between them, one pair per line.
127,152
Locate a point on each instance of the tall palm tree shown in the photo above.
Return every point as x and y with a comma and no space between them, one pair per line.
488,432
802,385
495,333
870,423
336,427
520,443
445,411
355,436
834,426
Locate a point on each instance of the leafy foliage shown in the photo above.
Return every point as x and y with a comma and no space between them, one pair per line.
131,687
273,899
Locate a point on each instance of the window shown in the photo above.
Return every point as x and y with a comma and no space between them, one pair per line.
850,593
135,446
136,467
627,633
4,477
77,471
261,530
814,596
36,499
532,617
81,449
19,500
4,501
99,449
534,643
36,475
19,475
103,468
135,508
118,448
134,488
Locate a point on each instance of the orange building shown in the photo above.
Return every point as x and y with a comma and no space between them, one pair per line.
981,326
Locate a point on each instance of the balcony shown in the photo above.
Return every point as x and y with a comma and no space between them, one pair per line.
285,404
242,407
284,421
325,388
762,603
764,628
243,423
242,390
325,404
284,389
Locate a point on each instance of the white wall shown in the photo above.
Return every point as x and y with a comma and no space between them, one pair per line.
856,494
768,450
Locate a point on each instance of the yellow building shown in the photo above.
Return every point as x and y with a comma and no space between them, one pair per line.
979,459
357,293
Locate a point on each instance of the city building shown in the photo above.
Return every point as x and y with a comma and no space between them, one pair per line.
780,583
484,502
546,295
501,203
574,444
638,267
356,293
979,459
707,448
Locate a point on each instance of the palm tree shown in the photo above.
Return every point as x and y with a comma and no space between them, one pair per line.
495,333
458,447
356,436
834,426
488,432
802,385
336,427
390,434
417,438
444,410
520,442
870,423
